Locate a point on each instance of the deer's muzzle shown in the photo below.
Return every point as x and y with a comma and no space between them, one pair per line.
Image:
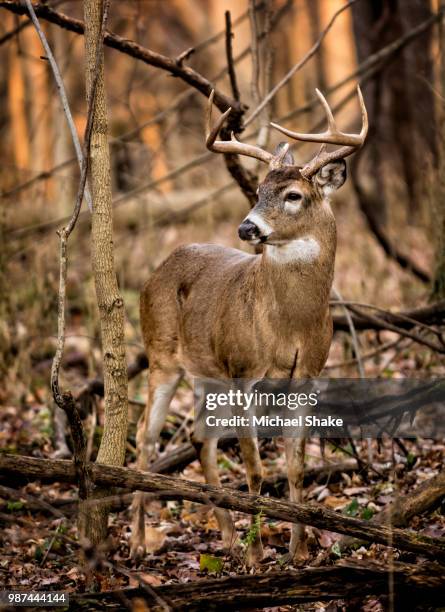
248,230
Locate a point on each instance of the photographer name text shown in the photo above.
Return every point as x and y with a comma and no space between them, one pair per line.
308,420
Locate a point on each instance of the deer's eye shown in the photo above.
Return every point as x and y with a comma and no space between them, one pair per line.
293,196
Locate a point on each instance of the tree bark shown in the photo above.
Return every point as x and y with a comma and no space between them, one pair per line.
109,300
310,514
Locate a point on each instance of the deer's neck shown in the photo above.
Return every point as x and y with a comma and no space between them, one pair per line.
298,275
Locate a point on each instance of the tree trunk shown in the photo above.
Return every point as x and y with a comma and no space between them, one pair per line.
64,193
313,13
18,123
399,100
438,192
109,300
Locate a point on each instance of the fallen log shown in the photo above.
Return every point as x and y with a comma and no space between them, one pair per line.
175,488
275,486
181,457
412,584
424,498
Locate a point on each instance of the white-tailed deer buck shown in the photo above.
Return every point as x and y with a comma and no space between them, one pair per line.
217,312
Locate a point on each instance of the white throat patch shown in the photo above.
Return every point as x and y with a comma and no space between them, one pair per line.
303,250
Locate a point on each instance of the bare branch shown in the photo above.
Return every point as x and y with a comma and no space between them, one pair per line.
380,323
177,103
374,62
365,70
365,356
229,55
272,93
255,78
65,400
397,316
354,337
133,49
264,130
25,24
368,67
14,32
367,204
62,94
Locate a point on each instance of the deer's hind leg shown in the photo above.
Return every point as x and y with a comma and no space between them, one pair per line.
207,450
162,385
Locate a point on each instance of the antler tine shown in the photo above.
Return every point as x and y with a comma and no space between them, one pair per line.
233,146
327,109
212,133
350,142
332,135
365,123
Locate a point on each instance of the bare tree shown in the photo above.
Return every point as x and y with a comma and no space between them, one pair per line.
109,300
399,98
438,192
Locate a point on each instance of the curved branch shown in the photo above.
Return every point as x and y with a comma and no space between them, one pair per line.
133,49
433,314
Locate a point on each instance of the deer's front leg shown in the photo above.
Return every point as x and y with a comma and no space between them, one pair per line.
254,472
161,389
295,448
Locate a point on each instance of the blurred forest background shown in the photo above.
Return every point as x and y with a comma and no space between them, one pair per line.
169,190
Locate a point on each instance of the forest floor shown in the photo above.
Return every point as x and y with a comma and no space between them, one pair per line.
40,548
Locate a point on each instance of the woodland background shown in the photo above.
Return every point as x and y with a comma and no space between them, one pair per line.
168,190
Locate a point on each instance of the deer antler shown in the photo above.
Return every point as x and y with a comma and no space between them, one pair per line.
233,145
350,142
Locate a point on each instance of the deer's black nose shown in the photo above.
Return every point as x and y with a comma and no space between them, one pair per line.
248,230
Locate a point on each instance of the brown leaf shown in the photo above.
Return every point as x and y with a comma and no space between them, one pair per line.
154,539
151,579
336,503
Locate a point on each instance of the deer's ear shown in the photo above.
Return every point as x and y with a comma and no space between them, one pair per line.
288,159
332,176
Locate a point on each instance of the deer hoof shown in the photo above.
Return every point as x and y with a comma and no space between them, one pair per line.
297,557
137,550
254,554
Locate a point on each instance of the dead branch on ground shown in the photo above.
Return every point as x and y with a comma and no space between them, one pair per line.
424,498
316,515
345,580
